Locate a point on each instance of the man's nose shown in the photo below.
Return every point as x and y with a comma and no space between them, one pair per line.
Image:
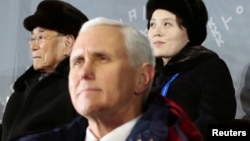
87,70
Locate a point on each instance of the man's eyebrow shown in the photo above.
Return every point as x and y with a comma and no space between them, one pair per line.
76,57
39,31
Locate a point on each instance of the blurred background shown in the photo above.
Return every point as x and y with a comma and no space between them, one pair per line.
228,35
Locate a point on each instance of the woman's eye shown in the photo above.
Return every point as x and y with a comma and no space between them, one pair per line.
151,24
166,24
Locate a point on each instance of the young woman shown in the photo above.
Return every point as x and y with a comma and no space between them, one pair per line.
190,74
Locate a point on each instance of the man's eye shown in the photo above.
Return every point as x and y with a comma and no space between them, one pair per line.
103,58
77,62
40,37
32,39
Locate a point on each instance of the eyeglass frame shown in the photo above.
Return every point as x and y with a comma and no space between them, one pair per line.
40,39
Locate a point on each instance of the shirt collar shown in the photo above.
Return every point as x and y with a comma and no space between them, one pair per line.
120,133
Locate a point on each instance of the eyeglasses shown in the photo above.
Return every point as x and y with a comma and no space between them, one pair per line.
41,39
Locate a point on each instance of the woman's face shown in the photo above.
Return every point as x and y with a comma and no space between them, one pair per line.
166,36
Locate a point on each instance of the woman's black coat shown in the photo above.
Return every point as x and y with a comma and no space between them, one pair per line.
204,87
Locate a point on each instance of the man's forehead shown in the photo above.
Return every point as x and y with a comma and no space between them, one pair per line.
100,35
104,31
96,39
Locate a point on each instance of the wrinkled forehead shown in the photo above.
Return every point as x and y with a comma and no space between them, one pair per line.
102,38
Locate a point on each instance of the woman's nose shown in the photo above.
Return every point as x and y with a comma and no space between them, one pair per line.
157,34
157,31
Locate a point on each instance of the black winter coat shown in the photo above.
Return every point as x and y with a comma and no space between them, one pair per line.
204,87
38,105
161,120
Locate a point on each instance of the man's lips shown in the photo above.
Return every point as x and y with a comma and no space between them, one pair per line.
37,57
88,90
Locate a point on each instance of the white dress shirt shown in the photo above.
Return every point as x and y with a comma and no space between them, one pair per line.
118,134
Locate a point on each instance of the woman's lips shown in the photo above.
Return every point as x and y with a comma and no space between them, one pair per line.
158,43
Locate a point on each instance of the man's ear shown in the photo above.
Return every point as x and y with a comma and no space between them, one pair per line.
146,76
68,44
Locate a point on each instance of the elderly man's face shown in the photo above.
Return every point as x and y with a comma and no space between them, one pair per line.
47,48
101,77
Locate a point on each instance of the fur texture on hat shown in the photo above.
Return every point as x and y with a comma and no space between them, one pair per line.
58,16
192,14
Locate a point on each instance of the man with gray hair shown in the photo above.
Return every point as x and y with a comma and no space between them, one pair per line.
111,72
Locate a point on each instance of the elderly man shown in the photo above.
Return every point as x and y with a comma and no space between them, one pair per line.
41,98
111,71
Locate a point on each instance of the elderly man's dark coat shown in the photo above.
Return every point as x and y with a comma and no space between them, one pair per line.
38,103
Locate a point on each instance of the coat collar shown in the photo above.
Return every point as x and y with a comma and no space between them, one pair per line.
187,58
30,75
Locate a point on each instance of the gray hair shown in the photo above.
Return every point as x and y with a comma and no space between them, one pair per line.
137,45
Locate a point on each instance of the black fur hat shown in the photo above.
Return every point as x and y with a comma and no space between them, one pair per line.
192,14
56,15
